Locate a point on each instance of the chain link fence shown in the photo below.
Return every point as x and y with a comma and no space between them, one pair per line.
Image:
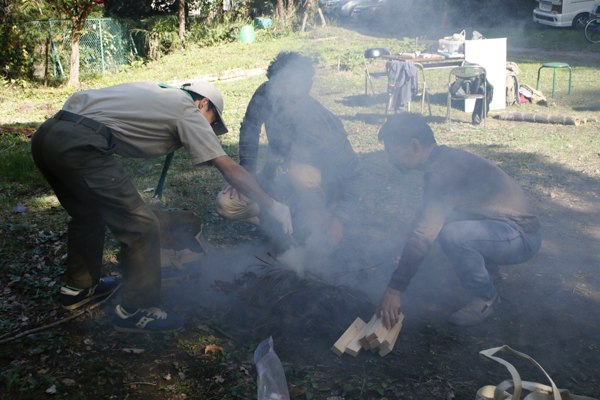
104,46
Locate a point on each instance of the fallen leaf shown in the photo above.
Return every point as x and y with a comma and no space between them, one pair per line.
181,375
167,377
244,370
212,348
218,379
134,351
42,372
148,190
51,389
67,382
20,208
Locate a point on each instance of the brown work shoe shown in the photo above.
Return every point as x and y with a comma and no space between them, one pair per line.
474,313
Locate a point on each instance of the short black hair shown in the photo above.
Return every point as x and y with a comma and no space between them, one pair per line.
399,129
196,96
290,62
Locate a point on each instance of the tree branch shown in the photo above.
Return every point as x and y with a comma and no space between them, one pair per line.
62,321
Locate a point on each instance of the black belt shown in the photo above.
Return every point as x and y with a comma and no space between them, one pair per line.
85,121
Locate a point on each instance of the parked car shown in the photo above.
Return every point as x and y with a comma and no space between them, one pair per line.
343,8
574,13
369,13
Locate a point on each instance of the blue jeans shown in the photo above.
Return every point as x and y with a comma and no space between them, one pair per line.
469,245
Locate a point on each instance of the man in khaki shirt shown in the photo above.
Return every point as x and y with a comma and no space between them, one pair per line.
74,151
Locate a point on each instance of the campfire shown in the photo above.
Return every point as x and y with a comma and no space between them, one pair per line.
271,299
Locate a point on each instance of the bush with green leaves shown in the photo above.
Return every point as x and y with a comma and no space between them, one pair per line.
17,50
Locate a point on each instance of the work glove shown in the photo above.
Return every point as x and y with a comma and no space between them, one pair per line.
281,213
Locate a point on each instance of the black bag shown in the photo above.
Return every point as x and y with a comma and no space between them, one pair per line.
461,88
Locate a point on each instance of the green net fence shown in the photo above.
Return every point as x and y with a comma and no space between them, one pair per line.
104,46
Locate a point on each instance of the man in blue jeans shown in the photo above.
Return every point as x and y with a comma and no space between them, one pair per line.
480,215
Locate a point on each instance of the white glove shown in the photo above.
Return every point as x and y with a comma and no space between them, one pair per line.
281,213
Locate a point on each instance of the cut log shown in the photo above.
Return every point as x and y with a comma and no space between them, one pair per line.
355,346
541,118
340,346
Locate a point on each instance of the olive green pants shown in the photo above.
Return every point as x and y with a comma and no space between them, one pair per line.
96,192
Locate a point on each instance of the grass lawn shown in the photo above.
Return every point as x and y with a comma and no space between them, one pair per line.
558,166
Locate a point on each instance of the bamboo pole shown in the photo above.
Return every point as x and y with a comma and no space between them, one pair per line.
540,118
304,20
323,22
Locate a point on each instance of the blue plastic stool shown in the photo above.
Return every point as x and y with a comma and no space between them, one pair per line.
555,65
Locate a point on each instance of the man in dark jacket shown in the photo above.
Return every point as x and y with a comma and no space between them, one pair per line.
479,214
310,164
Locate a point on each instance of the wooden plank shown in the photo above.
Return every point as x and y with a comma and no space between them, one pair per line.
353,330
390,340
386,350
393,333
363,340
374,346
377,331
355,346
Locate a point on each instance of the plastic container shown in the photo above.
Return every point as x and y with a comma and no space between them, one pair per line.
271,377
452,46
262,23
247,34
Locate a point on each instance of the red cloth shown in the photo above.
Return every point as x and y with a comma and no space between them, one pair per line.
523,98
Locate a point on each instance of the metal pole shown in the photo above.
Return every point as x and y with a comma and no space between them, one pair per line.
62,71
102,47
52,42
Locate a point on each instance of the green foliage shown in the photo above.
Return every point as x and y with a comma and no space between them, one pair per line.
135,9
17,49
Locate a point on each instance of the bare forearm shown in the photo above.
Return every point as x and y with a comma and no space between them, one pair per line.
243,181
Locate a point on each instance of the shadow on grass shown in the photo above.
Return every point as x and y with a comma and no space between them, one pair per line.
363,100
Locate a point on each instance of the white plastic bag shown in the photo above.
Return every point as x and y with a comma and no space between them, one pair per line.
271,377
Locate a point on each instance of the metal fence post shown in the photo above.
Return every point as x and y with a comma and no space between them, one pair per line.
102,47
55,54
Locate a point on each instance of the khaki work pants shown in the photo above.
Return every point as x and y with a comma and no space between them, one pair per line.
96,192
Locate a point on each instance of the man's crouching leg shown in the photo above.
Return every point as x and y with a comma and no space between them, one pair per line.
139,233
308,203
469,245
238,208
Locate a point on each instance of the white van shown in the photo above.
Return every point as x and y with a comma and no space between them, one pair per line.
573,13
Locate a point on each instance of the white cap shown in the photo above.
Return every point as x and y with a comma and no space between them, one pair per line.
208,90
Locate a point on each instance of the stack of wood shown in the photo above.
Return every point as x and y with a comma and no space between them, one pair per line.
372,336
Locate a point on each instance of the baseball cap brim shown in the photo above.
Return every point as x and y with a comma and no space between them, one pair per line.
219,126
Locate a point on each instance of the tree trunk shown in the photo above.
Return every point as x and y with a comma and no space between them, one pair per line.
74,65
181,17
280,12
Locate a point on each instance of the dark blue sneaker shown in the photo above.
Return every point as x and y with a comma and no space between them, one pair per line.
70,299
146,320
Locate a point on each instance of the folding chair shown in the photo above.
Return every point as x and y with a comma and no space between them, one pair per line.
469,71
374,53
